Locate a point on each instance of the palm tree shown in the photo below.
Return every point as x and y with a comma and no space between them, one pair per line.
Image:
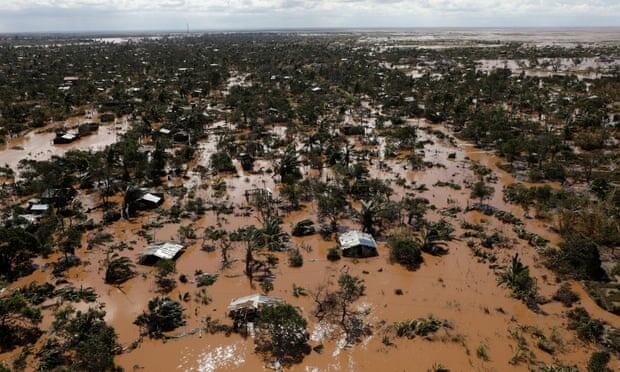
367,215
414,208
288,166
272,235
517,277
431,241
119,270
251,237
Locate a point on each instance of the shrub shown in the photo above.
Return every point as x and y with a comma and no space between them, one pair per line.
598,362
578,257
295,259
333,254
221,162
566,296
286,335
587,329
405,250
163,315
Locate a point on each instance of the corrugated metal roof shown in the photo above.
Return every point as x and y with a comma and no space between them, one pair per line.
39,207
354,238
151,198
167,250
252,301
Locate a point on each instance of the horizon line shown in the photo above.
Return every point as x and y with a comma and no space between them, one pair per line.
305,29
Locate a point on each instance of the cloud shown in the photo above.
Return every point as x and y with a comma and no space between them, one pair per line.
63,15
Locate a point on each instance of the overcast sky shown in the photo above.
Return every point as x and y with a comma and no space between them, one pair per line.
125,15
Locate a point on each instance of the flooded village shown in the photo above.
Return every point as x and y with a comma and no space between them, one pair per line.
310,201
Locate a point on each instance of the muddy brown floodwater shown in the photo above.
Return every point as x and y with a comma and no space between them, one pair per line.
39,144
456,287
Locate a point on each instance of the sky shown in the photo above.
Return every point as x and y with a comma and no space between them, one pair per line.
153,15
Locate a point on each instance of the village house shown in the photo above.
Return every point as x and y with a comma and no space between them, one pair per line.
357,244
161,251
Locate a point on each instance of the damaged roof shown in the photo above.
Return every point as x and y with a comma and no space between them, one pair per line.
252,302
355,238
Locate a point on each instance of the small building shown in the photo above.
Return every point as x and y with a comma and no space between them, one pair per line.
63,138
36,207
181,136
150,200
357,244
58,197
107,118
87,128
245,309
161,251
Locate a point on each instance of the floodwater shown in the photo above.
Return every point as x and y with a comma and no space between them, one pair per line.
457,287
39,144
583,68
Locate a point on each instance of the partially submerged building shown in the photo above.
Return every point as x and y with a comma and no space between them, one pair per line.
246,309
161,251
37,207
150,200
63,138
357,244
87,128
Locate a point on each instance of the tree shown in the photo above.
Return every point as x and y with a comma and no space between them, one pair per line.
405,249
251,236
481,191
119,270
517,277
351,289
431,240
17,248
85,337
272,235
286,335
164,315
415,208
337,305
578,257
18,322
288,166
367,215
332,204
220,162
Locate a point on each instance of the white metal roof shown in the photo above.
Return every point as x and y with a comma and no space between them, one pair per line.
166,250
69,136
354,238
252,301
39,207
151,198
164,131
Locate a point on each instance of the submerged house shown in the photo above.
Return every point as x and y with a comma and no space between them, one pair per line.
58,197
87,128
150,200
140,200
63,138
161,251
357,244
37,207
246,309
